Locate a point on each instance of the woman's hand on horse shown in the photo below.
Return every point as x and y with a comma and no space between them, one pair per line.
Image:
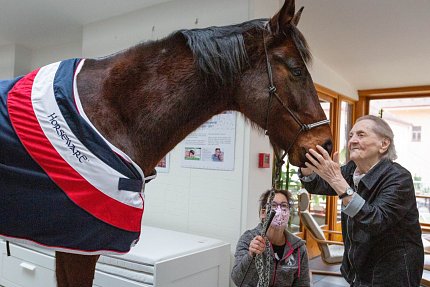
257,245
327,168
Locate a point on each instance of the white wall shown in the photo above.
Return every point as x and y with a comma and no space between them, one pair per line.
22,60
51,54
7,61
327,77
106,37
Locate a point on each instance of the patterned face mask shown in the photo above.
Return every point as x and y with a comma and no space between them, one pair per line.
281,218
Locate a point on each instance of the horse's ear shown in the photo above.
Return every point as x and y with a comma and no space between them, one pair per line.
283,17
296,17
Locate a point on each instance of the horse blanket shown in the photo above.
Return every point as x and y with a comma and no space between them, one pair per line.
62,184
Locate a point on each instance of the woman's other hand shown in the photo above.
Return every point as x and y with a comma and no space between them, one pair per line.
257,245
321,163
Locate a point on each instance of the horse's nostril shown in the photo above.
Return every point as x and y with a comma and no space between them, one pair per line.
328,146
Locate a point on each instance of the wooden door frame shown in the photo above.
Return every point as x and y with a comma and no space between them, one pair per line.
335,99
365,96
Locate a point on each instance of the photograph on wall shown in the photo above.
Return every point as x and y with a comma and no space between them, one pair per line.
192,153
163,164
211,146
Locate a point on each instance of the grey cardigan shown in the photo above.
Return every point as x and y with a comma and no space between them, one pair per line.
291,270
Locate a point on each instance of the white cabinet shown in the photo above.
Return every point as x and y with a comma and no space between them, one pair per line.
26,267
162,258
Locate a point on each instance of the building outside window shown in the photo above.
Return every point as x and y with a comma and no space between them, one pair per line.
416,133
410,116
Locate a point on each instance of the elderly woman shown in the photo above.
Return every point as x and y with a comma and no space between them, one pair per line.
380,227
287,250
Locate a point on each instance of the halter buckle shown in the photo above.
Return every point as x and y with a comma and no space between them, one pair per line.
305,127
272,89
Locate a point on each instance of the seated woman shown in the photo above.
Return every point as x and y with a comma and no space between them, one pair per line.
287,251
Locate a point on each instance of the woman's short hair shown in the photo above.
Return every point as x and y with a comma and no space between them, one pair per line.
382,129
265,196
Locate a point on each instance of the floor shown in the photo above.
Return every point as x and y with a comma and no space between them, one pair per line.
328,281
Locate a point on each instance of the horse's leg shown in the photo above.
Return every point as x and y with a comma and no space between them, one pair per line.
75,270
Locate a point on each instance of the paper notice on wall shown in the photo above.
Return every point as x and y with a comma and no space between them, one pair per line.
211,146
163,164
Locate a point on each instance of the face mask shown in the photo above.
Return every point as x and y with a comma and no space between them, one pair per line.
281,218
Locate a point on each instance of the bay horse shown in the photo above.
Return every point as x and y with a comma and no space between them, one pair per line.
148,98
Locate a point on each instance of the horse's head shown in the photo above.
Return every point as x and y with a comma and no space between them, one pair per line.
277,91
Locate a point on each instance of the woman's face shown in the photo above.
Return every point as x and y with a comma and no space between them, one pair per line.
365,146
279,199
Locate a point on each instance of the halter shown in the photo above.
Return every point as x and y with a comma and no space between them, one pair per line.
263,262
303,127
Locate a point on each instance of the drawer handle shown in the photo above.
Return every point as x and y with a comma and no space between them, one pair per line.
28,266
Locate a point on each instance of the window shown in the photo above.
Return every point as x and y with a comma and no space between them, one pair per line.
318,203
410,116
416,133
344,128
290,181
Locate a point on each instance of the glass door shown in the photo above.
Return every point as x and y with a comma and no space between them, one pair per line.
409,118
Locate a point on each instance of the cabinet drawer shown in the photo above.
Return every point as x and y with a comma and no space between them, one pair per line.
23,273
103,279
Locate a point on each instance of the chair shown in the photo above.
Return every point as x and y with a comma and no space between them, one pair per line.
331,251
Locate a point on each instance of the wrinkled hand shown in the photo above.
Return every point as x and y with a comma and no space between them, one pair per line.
257,245
321,163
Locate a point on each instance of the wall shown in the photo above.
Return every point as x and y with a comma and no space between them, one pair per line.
7,61
22,60
55,53
106,37
329,78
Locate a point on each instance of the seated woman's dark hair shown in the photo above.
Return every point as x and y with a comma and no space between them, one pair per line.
265,196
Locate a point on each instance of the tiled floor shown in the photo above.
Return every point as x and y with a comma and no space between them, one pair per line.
328,281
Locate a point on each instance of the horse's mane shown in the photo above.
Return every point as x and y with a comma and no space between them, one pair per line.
300,43
220,51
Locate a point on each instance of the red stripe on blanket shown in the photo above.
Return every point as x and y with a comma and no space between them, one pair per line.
72,183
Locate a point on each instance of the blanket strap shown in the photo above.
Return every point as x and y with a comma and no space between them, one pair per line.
130,184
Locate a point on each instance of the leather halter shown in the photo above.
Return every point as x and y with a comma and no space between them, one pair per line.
302,127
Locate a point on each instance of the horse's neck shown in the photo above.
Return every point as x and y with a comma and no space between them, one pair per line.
146,102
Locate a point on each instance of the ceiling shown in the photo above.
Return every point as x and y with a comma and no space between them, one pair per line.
371,44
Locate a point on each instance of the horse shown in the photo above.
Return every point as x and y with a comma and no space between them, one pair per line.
148,98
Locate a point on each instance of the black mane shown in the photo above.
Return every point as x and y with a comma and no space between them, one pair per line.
220,51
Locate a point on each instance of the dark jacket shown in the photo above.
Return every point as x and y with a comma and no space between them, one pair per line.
291,270
383,245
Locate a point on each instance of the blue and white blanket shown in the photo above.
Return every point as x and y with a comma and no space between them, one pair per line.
62,185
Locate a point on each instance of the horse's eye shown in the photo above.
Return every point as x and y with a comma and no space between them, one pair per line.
297,72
